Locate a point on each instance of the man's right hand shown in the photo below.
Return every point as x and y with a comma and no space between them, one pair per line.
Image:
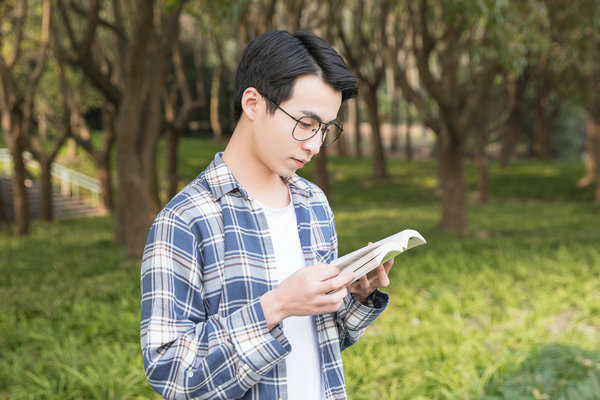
309,291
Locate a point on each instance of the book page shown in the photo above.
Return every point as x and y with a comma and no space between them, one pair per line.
369,257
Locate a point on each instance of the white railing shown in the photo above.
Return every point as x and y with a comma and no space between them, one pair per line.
70,181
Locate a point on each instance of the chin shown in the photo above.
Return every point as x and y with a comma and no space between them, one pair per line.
287,174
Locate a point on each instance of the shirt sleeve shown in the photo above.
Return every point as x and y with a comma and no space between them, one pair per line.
187,354
354,317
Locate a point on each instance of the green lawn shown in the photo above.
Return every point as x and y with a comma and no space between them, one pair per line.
509,311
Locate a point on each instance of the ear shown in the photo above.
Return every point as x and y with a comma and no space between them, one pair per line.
251,101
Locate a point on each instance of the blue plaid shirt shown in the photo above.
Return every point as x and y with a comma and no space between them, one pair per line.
207,261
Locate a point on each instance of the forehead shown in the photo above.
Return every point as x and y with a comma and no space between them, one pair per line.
313,96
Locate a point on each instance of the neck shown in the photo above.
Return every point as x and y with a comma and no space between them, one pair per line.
253,175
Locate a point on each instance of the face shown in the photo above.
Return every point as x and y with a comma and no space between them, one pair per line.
275,147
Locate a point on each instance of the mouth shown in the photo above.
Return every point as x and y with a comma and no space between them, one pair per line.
299,162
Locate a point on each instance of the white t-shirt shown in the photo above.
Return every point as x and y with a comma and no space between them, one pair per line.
303,364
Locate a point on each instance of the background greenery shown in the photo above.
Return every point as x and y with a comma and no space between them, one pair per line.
509,311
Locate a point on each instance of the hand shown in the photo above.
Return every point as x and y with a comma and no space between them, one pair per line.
367,284
309,291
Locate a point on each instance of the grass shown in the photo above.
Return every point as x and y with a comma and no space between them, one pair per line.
509,311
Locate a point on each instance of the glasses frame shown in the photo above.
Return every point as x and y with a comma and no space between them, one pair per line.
322,126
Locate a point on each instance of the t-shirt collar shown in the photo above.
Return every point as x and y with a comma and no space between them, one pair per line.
221,181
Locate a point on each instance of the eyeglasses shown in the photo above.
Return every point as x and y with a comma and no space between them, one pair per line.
308,126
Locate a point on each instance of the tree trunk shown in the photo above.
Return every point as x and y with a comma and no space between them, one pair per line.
215,86
72,149
45,159
408,146
395,136
103,157
133,201
11,125
395,115
589,161
508,137
20,201
379,164
151,134
541,147
153,118
106,191
46,204
355,112
4,222
320,171
483,179
593,131
340,147
452,184
172,165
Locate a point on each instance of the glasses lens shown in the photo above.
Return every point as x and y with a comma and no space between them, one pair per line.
331,134
306,127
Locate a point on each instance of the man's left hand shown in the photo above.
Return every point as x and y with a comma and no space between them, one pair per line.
367,284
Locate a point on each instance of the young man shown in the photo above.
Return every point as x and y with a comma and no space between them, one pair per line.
239,299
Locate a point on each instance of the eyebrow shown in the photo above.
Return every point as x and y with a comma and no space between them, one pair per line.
312,114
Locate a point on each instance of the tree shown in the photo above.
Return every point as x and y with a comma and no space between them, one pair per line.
485,125
362,32
20,74
181,103
458,48
205,26
578,37
3,217
45,143
135,38
510,130
76,95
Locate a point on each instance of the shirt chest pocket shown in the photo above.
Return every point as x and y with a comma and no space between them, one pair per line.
320,245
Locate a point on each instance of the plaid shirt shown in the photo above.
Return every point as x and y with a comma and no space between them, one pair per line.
207,261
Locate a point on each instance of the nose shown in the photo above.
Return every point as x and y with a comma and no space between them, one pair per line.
313,145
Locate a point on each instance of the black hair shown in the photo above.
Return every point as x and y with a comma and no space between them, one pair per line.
273,61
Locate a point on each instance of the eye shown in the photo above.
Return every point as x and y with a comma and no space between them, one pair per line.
309,124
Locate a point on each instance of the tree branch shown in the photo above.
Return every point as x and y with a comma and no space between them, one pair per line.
114,28
40,65
83,52
483,86
20,15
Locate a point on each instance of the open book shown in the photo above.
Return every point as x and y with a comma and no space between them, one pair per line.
366,259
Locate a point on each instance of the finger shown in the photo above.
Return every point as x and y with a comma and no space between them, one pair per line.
337,295
334,284
364,282
382,277
343,280
323,272
388,265
354,287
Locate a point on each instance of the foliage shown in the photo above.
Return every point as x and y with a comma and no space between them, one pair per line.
509,311
217,12
70,315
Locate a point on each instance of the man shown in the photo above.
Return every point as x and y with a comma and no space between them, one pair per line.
239,299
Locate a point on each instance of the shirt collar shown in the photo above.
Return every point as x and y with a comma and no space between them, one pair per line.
221,181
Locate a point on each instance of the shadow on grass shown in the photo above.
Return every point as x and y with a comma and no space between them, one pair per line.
555,372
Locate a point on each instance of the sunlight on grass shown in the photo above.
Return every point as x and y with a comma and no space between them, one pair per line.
511,310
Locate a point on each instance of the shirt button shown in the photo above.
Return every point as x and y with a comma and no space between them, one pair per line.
190,374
